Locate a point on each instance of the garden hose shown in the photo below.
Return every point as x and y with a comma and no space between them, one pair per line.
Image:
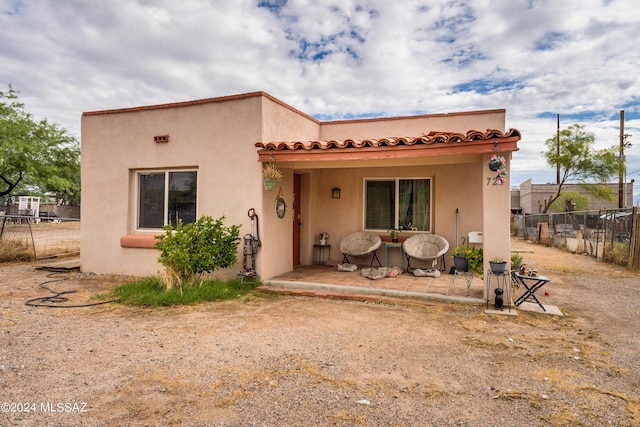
57,300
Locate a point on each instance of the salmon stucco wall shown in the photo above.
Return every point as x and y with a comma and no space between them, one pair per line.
414,125
453,188
216,139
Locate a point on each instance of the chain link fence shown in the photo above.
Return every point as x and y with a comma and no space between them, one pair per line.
25,238
604,234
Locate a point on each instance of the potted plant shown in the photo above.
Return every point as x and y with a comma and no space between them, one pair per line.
469,255
460,263
498,265
322,238
393,232
271,175
516,261
496,163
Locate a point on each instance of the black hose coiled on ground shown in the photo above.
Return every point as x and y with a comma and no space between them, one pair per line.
57,300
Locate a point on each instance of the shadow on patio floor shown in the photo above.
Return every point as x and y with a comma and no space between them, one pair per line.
328,279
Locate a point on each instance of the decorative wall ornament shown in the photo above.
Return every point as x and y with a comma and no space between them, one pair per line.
498,165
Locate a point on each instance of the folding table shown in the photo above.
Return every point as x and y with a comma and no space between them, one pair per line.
532,284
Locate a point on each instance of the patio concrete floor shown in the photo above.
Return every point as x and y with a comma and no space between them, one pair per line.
326,279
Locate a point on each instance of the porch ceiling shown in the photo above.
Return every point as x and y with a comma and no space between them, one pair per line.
427,145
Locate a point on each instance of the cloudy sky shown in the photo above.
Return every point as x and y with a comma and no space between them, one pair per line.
337,59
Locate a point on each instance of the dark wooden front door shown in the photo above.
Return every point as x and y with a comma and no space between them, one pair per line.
297,223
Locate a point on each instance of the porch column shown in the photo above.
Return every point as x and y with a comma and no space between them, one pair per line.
496,210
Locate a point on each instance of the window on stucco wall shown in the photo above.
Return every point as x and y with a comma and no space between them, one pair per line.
398,202
163,197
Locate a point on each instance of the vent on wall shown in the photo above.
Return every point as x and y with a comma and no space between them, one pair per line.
161,138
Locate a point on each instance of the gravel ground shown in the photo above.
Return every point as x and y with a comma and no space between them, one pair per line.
284,361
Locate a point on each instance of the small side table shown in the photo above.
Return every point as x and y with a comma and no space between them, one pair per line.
398,245
319,255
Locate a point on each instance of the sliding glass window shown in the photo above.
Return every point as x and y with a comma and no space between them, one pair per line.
166,196
399,202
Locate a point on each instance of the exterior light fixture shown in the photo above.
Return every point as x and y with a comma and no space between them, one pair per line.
335,193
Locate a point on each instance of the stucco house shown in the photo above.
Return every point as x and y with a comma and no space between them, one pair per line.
209,155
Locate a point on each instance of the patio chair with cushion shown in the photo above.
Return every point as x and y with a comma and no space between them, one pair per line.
426,247
360,244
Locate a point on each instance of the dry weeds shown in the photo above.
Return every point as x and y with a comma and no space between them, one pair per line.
299,361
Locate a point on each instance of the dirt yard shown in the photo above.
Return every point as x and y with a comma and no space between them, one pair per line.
285,361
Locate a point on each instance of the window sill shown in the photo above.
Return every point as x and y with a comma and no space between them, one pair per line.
140,241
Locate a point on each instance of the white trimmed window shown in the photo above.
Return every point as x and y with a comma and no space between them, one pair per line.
398,202
165,196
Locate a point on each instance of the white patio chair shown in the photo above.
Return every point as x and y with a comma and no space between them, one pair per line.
426,247
360,244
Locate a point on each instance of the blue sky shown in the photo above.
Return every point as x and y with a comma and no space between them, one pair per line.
337,59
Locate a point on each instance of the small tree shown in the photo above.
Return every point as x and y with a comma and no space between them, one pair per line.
578,162
36,157
196,248
579,202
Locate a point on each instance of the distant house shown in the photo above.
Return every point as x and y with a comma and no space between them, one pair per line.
529,198
209,154
22,205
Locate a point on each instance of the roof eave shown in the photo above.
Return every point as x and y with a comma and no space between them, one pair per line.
494,145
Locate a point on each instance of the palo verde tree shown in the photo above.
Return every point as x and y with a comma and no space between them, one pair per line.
36,157
572,151
570,201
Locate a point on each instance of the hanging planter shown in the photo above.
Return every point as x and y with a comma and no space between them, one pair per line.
495,165
270,184
498,165
271,175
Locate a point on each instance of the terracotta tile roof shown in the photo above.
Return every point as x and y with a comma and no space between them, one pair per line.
430,138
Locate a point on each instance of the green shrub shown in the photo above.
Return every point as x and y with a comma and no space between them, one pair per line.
196,248
581,202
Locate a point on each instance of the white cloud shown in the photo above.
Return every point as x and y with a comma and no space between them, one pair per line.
335,58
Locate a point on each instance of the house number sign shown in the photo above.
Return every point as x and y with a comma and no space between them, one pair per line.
496,180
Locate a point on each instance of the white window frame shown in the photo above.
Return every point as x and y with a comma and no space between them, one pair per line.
166,172
397,202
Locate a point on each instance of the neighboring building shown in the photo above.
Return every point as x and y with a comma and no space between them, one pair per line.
23,205
530,198
209,153
35,206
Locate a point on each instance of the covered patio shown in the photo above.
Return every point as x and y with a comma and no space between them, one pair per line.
327,279
439,183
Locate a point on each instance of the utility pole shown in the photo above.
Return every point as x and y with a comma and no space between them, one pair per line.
558,152
621,173
623,164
